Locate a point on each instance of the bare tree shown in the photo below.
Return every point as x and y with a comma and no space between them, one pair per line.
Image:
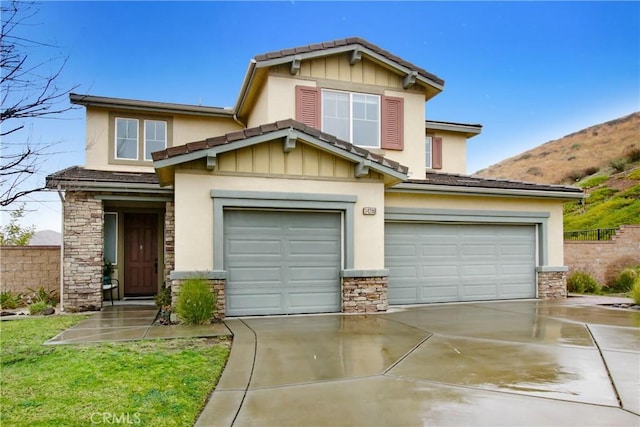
29,91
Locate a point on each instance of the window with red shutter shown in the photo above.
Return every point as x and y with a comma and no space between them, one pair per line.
392,123
308,106
436,152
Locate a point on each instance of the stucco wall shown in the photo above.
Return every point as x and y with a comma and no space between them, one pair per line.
604,260
194,213
185,129
461,203
24,267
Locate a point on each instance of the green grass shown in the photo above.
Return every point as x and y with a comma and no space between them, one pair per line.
159,382
604,208
593,181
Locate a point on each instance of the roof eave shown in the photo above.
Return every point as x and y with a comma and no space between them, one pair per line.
438,86
468,130
282,133
484,191
148,106
79,185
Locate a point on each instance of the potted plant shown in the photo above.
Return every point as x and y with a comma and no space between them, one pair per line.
107,271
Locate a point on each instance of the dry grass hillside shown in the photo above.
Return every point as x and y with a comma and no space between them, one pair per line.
569,159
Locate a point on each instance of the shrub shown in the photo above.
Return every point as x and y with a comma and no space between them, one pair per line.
618,165
634,155
42,295
625,280
163,298
634,174
580,282
10,300
38,308
635,291
195,302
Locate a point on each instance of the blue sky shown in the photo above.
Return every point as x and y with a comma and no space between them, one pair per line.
529,72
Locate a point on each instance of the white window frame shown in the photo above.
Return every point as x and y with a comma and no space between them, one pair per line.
115,244
144,130
351,94
115,142
428,142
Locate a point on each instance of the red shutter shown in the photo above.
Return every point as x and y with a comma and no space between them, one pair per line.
392,128
308,106
436,152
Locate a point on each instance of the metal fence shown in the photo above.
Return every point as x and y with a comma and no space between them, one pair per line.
594,235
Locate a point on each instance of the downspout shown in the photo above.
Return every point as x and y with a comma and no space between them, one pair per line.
62,200
237,120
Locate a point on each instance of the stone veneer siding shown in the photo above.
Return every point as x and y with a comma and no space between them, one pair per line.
169,241
82,253
217,287
552,285
364,294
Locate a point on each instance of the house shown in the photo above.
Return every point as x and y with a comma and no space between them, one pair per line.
322,190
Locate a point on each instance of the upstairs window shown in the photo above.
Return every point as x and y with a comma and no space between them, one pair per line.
370,121
427,150
126,139
134,139
352,117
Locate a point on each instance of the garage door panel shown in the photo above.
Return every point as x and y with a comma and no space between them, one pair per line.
400,251
282,262
433,249
475,262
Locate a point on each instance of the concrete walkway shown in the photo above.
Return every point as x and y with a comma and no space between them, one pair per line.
131,322
497,363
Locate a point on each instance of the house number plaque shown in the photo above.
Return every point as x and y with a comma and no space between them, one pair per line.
368,211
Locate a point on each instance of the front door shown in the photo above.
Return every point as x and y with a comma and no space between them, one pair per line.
141,254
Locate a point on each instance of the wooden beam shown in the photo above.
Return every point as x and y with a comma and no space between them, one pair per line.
290,142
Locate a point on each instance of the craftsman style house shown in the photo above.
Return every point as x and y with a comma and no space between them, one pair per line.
322,190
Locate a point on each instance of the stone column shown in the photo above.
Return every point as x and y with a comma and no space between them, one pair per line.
169,241
552,284
83,252
364,291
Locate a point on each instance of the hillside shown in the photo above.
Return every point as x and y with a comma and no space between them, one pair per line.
568,159
604,160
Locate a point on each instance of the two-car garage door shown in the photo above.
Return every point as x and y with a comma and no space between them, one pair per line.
282,262
459,262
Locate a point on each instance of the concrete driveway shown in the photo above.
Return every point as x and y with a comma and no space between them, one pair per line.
499,363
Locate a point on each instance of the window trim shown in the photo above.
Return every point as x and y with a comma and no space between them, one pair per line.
115,142
351,119
141,118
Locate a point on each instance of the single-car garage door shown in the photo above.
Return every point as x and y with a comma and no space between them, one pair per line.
462,262
282,262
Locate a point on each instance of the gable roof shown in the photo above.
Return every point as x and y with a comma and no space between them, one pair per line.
447,183
356,46
290,131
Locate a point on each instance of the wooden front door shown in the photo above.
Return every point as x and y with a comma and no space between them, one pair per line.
141,254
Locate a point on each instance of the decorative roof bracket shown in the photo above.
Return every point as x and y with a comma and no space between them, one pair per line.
295,65
362,168
355,56
212,162
409,80
290,142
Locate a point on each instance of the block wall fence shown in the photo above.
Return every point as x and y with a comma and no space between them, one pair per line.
24,267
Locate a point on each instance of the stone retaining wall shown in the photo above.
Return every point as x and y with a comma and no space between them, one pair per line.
604,260
24,267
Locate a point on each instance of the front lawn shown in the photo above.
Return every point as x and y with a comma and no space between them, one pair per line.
155,383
